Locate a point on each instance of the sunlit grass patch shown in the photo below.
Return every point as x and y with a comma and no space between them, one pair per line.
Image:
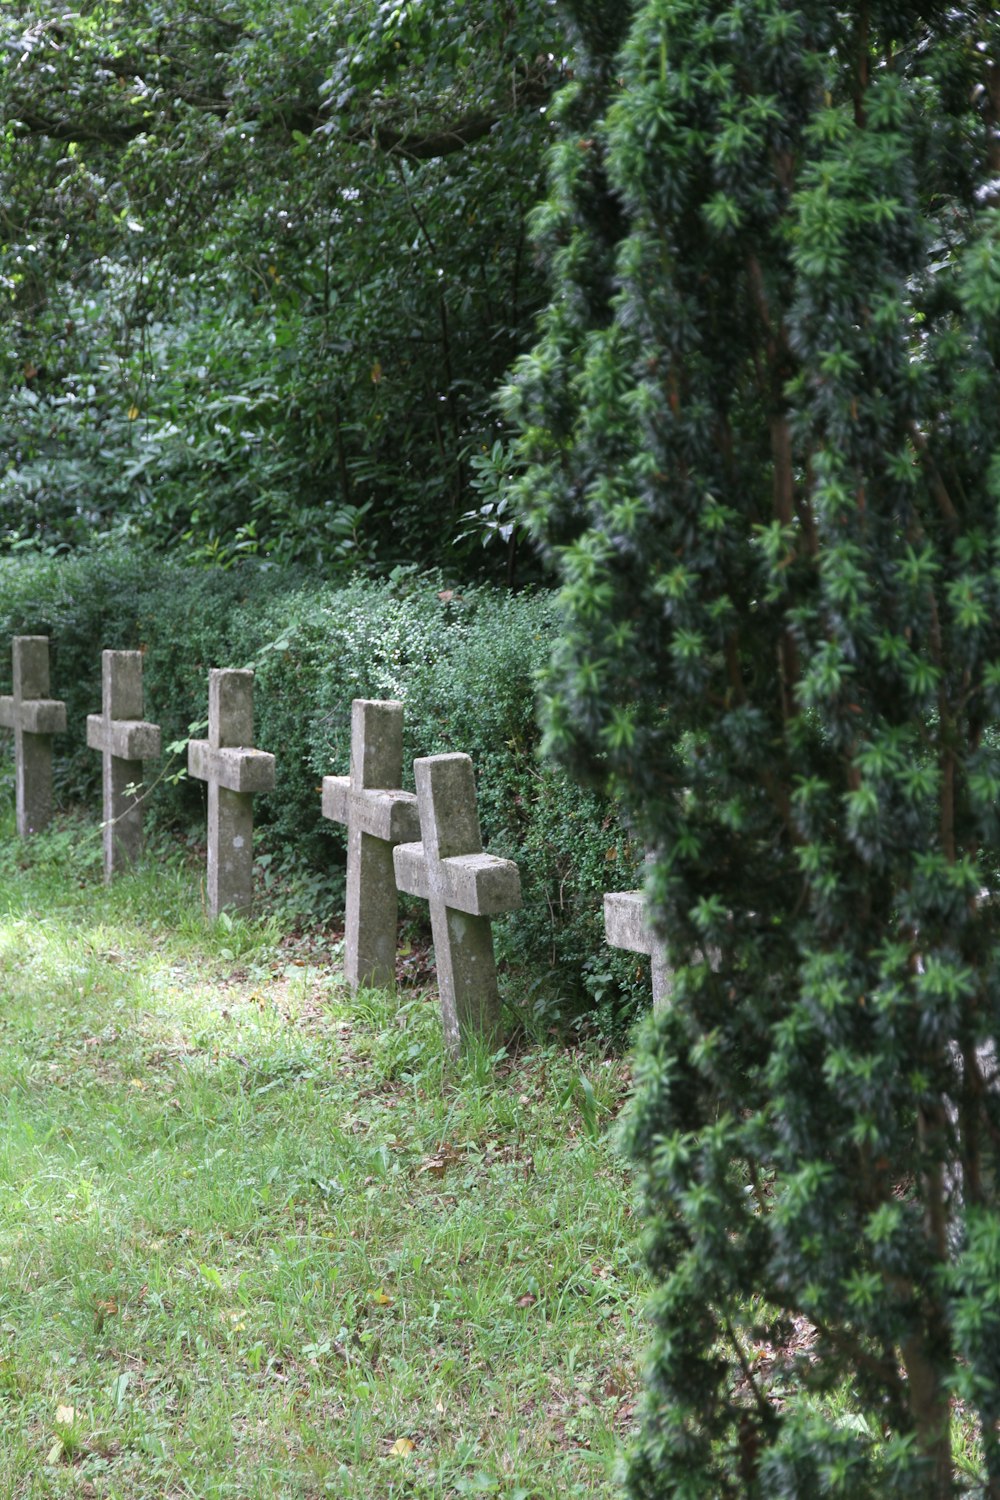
263,1237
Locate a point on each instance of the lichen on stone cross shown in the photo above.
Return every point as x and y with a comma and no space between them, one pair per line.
34,718
234,772
377,817
626,925
125,740
465,889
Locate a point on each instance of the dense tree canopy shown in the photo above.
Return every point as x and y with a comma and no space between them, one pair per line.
763,430
261,267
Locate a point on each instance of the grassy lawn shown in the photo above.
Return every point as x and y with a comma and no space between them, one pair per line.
258,1237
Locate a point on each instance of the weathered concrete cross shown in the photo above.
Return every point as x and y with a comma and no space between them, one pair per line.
465,889
376,818
626,925
34,718
233,772
125,740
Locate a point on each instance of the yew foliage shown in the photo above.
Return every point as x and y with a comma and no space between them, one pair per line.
762,424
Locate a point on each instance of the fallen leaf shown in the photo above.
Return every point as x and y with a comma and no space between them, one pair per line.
438,1163
107,1308
381,1298
527,1300
401,1446
65,1416
55,1453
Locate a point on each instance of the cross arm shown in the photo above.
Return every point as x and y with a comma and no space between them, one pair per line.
625,922
43,716
129,739
235,769
480,884
388,815
337,798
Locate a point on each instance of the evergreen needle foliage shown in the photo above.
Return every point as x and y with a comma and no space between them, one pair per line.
763,430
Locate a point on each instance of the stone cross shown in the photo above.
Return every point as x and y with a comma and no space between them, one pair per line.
376,818
233,772
626,925
465,889
125,740
34,718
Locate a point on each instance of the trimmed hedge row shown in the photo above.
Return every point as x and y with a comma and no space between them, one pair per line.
464,665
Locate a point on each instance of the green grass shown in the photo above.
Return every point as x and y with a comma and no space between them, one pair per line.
258,1236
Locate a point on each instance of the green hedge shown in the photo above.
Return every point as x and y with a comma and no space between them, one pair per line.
464,665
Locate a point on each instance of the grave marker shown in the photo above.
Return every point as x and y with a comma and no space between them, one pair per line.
125,740
234,772
626,925
377,818
465,889
34,718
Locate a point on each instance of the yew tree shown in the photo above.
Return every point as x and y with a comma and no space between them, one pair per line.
761,431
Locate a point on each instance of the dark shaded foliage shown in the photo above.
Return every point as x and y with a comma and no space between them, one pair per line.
261,269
